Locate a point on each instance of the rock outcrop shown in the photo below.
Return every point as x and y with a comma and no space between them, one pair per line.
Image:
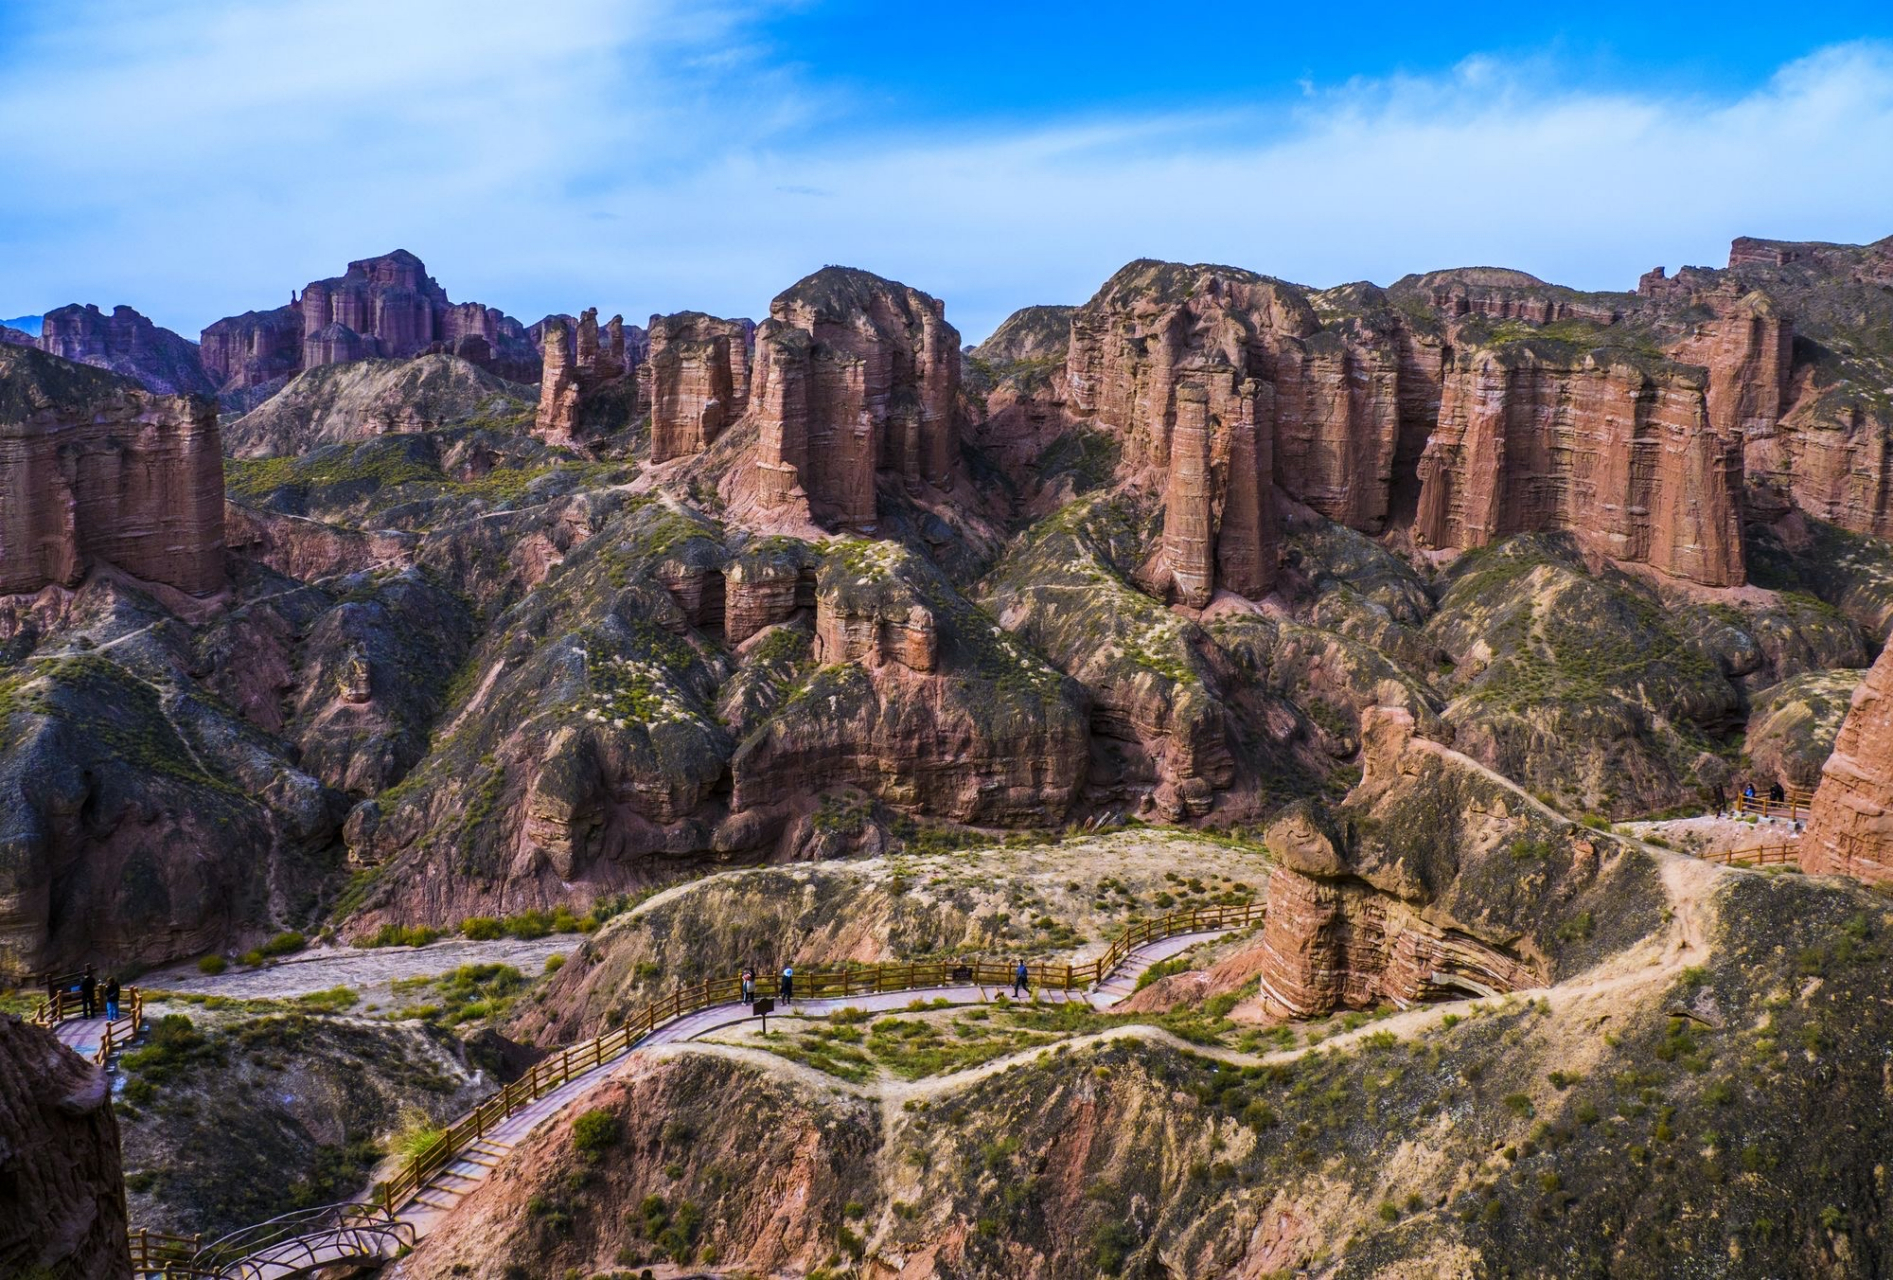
698,372
128,344
1541,438
587,387
334,404
63,1214
1435,877
93,469
854,375
387,307
1850,829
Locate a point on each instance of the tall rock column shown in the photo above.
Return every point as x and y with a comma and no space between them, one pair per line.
781,407
693,367
1248,535
1850,831
557,418
1187,550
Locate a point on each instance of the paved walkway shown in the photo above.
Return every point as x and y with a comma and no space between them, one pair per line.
452,1185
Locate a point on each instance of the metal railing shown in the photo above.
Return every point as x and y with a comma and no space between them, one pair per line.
552,1072
302,1241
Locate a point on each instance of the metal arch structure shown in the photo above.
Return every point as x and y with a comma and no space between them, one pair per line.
304,1241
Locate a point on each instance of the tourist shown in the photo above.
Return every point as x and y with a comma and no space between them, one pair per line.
111,997
88,992
1776,794
749,985
788,984
1021,980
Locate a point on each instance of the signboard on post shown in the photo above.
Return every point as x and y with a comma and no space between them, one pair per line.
763,1007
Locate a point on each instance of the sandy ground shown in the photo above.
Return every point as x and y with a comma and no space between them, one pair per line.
368,971
1712,833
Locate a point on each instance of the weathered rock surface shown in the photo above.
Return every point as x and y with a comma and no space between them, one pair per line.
699,375
1850,829
1532,438
853,375
95,469
128,344
1792,726
63,1217
1433,877
586,388
388,307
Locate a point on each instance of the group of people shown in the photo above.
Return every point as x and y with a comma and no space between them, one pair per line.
89,992
785,985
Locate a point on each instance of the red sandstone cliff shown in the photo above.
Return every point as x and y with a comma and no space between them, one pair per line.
127,344
854,375
698,377
1542,437
94,468
387,307
1850,831
63,1214
580,372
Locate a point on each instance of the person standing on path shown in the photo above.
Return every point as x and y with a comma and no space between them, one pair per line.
788,984
749,985
1021,980
111,997
89,992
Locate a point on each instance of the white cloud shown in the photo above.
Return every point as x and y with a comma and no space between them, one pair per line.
612,154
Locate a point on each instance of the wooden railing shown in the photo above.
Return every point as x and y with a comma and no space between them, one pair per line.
156,1254
122,1032
1769,855
1794,805
814,984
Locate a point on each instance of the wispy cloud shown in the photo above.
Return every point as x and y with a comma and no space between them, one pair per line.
201,159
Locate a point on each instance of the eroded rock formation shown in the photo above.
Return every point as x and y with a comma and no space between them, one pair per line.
94,468
854,375
128,344
1436,877
1538,439
698,374
586,387
387,307
63,1214
1850,831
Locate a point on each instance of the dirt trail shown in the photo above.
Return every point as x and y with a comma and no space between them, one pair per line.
367,970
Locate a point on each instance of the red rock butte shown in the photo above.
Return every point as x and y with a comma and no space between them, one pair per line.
1850,829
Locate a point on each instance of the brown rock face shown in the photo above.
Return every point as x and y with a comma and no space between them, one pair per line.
93,469
1850,831
63,1214
388,307
127,344
1434,876
1622,456
698,374
576,367
854,375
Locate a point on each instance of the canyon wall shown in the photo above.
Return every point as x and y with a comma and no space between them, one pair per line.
1536,438
583,375
1850,829
386,307
94,468
128,344
63,1214
698,380
854,375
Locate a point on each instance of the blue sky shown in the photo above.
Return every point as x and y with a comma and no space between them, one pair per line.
196,158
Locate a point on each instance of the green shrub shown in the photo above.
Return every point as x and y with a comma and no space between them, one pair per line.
481,928
284,944
555,962
1389,1211
596,1131
251,958
397,935
212,965
1519,1103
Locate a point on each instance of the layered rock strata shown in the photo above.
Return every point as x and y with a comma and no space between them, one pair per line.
1850,830
854,375
387,307
95,469
577,370
128,344
698,377
63,1214
1621,454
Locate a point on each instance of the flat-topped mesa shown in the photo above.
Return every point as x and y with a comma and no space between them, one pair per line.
1850,829
1539,437
854,375
698,381
93,468
386,307
128,344
577,365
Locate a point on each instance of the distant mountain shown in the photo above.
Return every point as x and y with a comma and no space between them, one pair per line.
26,324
